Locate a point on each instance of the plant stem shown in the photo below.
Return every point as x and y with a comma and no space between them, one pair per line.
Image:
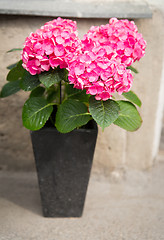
51,120
60,87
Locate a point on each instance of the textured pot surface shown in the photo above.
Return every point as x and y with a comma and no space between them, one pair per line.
63,163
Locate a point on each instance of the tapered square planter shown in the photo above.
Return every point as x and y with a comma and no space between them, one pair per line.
63,163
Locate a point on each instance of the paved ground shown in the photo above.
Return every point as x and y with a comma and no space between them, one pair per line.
131,209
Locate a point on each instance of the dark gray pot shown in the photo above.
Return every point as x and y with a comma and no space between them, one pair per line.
63,163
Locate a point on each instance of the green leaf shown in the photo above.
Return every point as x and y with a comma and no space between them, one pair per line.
129,118
12,66
37,92
133,69
103,112
53,93
16,73
132,97
14,49
63,73
10,88
29,82
70,115
49,78
36,112
75,93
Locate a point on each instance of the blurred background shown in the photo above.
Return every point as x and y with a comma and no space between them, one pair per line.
115,147
130,159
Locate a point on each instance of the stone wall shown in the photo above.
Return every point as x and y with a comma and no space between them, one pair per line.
116,149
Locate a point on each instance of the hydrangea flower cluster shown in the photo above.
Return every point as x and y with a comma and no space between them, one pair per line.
54,44
98,63
99,75
107,50
120,39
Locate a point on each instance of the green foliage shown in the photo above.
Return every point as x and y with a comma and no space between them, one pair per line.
36,111
16,73
53,94
132,97
37,92
103,112
132,69
12,66
29,82
14,49
74,93
74,107
50,78
63,73
129,118
70,115
10,88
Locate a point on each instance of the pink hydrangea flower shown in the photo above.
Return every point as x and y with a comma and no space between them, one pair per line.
98,63
107,50
54,44
119,39
99,75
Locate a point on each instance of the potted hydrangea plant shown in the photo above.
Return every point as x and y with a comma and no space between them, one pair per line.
73,87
